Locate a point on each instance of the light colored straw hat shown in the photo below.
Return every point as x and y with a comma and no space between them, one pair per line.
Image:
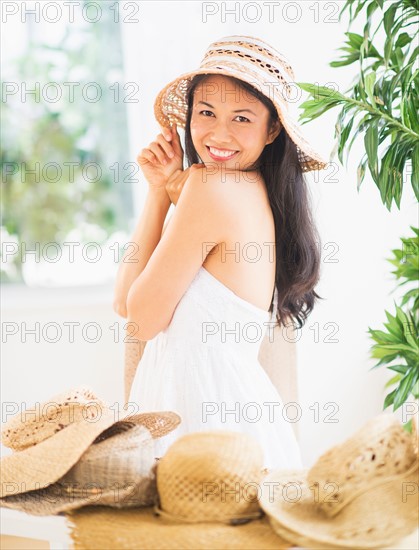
362,493
71,451
208,485
251,60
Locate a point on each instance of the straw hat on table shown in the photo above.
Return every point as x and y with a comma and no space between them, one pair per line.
362,493
73,450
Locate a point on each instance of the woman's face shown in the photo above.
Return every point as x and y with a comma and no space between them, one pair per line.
228,125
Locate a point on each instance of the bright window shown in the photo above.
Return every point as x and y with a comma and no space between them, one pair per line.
67,174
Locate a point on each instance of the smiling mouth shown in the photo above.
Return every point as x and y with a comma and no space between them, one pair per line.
221,153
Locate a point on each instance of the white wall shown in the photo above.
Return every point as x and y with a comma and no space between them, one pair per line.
170,39
56,340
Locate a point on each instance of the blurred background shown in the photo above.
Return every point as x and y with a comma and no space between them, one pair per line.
79,83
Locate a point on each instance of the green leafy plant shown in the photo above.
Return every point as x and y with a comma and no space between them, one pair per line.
398,347
382,105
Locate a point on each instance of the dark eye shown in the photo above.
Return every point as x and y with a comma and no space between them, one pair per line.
205,111
246,119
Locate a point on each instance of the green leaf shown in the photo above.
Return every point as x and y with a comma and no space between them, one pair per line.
411,112
389,399
404,388
408,426
371,146
318,91
369,86
393,380
389,18
384,348
347,61
343,138
360,174
409,330
383,337
388,46
399,368
402,40
355,40
370,10
314,109
393,326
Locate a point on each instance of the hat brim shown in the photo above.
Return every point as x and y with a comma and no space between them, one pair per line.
101,527
170,107
375,519
54,499
41,465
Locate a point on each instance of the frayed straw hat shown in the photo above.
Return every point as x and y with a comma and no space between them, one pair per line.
362,493
208,485
251,60
72,452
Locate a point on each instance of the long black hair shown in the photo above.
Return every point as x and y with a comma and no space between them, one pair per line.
297,241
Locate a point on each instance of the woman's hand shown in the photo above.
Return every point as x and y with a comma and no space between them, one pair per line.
161,158
177,180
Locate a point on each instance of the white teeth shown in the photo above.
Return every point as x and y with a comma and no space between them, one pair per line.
224,154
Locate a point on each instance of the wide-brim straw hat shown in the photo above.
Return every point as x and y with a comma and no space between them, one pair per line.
208,487
251,60
81,452
362,493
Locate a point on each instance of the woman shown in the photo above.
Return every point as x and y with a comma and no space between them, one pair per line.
241,217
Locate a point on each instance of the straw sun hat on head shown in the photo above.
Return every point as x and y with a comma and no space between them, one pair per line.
251,60
208,487
362,493
73,450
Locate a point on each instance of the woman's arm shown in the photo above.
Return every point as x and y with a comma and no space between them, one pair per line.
165,225
158,162
145,239
202,218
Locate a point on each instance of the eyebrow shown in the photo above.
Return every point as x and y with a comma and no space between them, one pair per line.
236,111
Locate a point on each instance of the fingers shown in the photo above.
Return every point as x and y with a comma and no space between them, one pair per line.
167,132
146,156
162,147
165,147
157,150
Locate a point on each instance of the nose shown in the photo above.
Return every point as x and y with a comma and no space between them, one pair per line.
221,133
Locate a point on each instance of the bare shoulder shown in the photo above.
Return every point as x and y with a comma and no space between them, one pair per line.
222,188
213,191
227,199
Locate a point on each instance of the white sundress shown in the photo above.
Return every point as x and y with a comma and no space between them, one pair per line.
204,366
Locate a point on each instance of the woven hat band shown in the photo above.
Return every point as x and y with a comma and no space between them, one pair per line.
272,89
255,50
91,489
229,520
